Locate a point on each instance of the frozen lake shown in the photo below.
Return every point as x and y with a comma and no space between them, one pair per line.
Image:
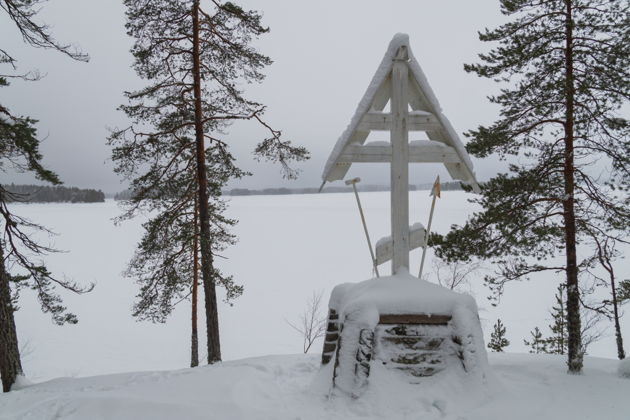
289,246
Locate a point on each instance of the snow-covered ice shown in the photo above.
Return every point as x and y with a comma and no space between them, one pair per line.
303,236
280,259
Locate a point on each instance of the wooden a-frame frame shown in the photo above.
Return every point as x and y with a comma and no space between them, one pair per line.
400,81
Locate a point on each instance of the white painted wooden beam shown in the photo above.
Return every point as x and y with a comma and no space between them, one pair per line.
382,121
430,153
383,94
384,248
399,135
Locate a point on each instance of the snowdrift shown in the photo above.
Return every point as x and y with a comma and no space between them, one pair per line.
406,324
287,387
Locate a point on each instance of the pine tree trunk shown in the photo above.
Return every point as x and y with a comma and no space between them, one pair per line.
194,339
212,316
10,364
621,354
573,292
563,327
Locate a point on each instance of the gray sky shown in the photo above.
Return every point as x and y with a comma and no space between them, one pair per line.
325,53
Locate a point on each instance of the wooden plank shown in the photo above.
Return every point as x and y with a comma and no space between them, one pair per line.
423,121
332,315
418,358
383,94
420,371
400,162
381,98
414,330
430,153
329,347
384,249
375,121
414,342
414,319
381,121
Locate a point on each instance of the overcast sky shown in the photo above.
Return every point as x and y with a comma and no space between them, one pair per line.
325,53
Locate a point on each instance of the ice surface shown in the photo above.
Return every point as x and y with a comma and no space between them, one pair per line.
288,247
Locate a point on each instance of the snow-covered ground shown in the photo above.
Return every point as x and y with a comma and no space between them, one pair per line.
288,387
289,246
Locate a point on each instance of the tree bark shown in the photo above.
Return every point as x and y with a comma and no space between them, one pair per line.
10,363
194,339
573,293
621,354
209,287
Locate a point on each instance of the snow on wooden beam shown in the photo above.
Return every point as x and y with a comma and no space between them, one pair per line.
389,319
431,152
385,249
381,121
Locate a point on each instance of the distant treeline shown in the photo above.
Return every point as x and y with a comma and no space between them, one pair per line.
53,194
123,195
446,186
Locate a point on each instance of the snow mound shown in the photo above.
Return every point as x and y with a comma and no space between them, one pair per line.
398,294
624,368
361,305
283,388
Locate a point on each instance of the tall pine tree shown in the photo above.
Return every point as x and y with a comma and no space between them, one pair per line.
19,152
564,66
195,58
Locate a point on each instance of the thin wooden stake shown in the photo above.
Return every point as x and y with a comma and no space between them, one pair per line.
435,192
353,182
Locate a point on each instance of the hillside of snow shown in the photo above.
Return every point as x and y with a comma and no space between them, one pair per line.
289,387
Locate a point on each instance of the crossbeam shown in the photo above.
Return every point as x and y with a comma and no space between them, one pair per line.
385,247
424,153
382,121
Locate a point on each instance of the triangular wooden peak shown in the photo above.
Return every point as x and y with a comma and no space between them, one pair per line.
426,115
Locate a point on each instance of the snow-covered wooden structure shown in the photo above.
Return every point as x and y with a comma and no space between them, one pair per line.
403,322
400,81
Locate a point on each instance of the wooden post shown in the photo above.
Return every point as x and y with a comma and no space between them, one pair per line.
400,162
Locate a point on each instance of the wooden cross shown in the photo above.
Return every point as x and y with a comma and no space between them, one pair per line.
400,81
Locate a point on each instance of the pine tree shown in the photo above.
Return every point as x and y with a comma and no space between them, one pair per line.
19,151
605,253
538,343
565,69
194,59
557,342
497,338
194,336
